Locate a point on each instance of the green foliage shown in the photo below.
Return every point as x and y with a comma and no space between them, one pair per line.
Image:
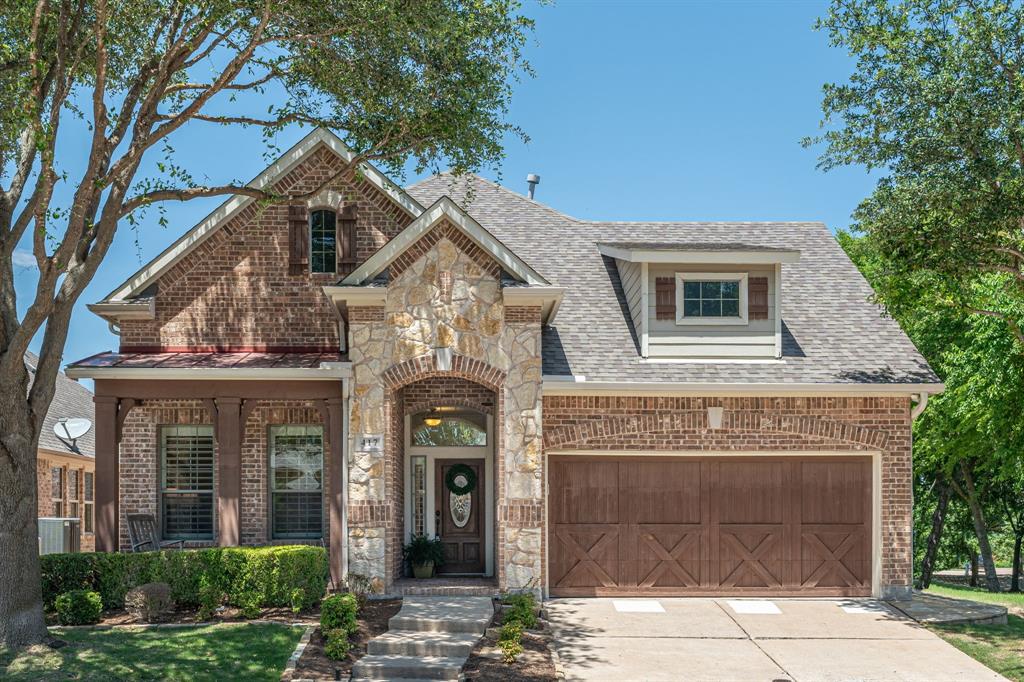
339,611
150,602
336,644
298,599
79,607
510,641
248,577
422,550
522,609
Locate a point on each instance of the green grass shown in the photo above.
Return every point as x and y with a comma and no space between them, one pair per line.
1000,647
1013,601
243,651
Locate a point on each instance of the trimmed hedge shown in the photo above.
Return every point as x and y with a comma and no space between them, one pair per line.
246,576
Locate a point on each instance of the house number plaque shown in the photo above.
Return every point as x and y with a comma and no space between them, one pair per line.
371,442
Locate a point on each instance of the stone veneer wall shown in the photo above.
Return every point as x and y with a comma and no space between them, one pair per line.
234,290
445,293
754,424
139,457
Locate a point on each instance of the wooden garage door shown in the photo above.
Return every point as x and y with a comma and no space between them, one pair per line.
710,525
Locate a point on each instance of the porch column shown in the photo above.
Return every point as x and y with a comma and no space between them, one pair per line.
338,488
107,485
229,484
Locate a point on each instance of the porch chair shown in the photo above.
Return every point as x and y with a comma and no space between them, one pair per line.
143,534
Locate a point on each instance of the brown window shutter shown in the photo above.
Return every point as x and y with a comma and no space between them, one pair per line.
665,298
347,234
298,240
757,298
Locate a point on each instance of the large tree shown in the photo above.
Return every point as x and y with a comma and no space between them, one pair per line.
428,80
935,103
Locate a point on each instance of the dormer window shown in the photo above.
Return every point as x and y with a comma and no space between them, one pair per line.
323,241
711,298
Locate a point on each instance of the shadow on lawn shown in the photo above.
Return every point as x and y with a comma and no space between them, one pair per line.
243,651
1003,645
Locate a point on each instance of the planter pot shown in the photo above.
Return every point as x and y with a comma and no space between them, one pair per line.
423,570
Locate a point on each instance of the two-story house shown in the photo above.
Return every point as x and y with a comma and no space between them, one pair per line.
586,408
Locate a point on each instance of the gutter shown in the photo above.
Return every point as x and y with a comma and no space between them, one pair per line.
578,385
922,403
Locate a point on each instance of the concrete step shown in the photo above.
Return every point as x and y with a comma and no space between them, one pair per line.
390,667
443,614
393,679
406,643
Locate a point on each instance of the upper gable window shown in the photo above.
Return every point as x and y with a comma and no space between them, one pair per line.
323,241
711,298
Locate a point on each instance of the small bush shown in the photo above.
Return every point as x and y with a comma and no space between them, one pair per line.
298,600
361,586
210,596
522,609
336,644
510,641
150,603
79,607
339,611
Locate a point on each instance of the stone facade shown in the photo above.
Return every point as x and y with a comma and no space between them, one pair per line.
758,424
444,293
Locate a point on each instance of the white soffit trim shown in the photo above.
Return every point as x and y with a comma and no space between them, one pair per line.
683,255
291,158
121,310
328,371
444,208
356,296
556,385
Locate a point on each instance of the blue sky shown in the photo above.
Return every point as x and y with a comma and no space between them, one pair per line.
639,111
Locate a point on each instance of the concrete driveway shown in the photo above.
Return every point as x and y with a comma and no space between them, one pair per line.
749,639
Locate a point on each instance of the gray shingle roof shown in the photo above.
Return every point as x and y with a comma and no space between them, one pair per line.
70,399
691,246
832,332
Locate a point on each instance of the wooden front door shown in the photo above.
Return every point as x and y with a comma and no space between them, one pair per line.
460,519
710,525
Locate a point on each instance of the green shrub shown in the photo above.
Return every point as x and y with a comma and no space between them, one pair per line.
149,603
339,611
336,644
361,586
298,600
522,609
510,641
247,577
79,607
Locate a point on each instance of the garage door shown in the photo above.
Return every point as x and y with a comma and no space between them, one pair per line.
711,525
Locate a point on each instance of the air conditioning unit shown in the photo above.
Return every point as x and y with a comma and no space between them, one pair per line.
57,535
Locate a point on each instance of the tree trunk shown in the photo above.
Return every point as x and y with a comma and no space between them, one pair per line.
981,530
1015,578
938,521
973,582
21,598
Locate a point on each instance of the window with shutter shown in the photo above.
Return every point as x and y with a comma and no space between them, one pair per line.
347,234
186,482
758,298
665,298
323,241
298,240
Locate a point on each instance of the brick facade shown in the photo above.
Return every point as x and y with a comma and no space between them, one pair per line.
45,463
646,424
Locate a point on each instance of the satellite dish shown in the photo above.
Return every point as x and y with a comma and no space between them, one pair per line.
71,429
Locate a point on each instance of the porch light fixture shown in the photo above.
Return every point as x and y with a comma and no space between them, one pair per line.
432,419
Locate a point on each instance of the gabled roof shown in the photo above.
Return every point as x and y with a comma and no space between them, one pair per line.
310,144
444,208
833,334
70,400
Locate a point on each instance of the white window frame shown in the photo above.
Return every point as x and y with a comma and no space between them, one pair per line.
740,277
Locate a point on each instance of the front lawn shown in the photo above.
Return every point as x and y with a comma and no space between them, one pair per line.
1000,647
246,651
1014,601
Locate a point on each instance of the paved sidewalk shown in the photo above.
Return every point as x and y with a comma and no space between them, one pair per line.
750,639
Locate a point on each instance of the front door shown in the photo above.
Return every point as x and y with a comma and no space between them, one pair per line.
459,513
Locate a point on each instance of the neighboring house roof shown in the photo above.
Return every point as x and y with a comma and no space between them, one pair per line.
832,332
70,399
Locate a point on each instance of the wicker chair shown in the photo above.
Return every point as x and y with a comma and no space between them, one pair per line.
143,534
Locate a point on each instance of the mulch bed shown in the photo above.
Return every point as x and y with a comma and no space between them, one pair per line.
373,621
190,616
534,664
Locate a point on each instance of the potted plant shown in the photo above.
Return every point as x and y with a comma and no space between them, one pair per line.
424,554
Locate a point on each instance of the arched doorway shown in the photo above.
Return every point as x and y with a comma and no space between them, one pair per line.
449,484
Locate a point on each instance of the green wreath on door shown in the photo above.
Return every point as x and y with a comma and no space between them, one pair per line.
454,472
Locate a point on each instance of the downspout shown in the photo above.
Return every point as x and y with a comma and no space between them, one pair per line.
922,403
915,412
345,395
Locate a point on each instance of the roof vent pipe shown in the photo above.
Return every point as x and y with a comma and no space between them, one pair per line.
532,180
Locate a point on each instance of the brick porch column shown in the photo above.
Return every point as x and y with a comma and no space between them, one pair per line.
338,489
229,470
107,475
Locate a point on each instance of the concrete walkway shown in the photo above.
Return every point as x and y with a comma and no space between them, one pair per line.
750,639
934,609
429,638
